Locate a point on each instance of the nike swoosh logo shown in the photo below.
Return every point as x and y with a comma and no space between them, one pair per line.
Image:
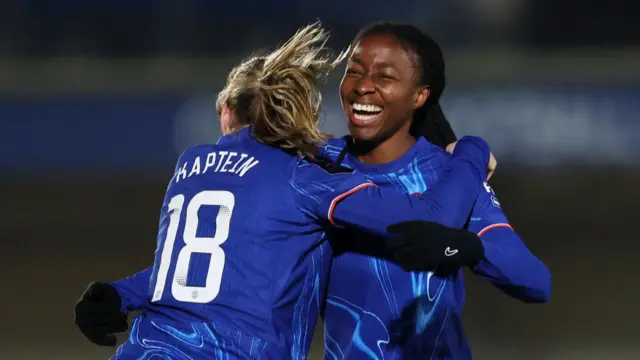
449,252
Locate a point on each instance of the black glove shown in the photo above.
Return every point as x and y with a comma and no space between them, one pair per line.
98,315
429,246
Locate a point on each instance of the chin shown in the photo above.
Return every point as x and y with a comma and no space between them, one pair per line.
362,134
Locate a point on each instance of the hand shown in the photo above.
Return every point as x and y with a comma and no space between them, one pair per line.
98,315
429,246
491,165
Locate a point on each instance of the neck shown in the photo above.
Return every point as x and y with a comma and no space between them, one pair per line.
231,130
384,152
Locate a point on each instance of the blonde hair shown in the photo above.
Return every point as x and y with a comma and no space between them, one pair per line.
277,94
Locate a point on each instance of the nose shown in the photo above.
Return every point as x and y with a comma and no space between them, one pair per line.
364,86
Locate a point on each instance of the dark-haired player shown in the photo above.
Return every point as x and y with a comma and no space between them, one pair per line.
390,93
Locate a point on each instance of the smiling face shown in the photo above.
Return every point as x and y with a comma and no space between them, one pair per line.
379,90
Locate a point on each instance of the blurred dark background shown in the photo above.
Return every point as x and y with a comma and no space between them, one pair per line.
98,98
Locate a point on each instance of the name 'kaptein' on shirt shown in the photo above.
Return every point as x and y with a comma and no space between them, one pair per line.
217,162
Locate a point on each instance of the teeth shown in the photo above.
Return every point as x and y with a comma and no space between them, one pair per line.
367,108
365,118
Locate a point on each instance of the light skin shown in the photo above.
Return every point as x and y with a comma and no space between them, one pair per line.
228,122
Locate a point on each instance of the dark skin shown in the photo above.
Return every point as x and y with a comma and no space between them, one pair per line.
381,72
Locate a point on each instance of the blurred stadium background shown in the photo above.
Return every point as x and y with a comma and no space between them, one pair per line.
98,98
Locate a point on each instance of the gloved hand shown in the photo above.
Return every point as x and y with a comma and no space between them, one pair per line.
429,246
98,315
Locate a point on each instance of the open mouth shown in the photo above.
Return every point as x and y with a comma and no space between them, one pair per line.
364,114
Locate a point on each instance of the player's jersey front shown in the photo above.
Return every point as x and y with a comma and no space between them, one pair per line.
236,264
391,313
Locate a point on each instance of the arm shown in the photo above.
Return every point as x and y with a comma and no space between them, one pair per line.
507,263
350,201
133,290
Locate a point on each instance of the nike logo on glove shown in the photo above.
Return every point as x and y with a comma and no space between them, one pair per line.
449,252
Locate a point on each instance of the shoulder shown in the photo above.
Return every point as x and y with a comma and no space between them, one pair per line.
198,149
337,142
319,168
434,152
431,160
320,175
334,146
317,182
194,152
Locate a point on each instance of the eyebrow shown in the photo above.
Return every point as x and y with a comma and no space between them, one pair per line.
359,61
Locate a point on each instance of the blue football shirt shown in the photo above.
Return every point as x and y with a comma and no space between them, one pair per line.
376,310
242,260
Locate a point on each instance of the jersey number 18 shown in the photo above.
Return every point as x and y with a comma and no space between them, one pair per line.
195,244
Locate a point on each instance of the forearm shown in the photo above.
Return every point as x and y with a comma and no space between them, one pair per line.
133,290
510,266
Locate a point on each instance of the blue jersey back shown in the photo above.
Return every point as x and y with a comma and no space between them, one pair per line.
234,251
394,314
242,259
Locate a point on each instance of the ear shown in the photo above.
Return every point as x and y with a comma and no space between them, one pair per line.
421,95
226,120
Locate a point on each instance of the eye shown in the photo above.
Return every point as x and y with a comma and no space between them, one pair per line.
387,76
353,72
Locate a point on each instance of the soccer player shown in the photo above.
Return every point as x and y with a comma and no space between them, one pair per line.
390,93
241,259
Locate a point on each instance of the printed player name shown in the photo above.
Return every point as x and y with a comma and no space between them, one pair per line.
217,162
